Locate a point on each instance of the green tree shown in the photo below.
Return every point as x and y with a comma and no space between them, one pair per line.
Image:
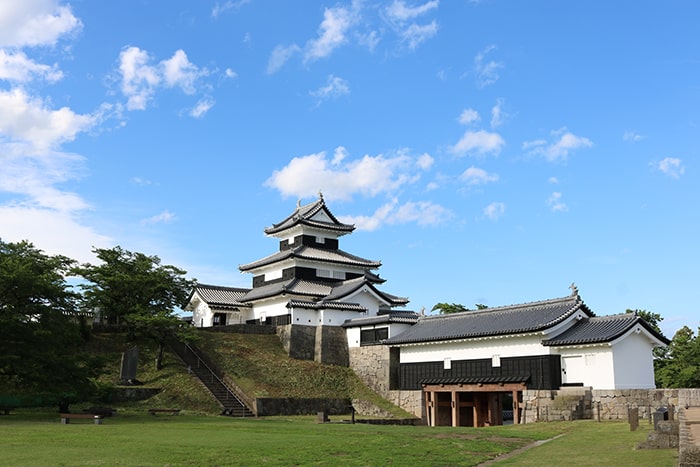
41,337
653,319
135,290
680,367
449,308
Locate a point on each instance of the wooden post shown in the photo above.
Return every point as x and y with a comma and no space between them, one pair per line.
455,408
516,408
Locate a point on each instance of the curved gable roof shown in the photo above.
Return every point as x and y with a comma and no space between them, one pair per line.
314,254
601,329
217,296
513,319
308,215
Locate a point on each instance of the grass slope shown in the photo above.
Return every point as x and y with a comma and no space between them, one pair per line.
260,366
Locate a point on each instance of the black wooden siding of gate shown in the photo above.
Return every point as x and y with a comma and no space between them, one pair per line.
544,371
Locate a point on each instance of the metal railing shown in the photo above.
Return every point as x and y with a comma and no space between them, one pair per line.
201,363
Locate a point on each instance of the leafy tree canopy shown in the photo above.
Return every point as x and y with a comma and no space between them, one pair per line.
448,308
40,328
680,366
654,319
137,291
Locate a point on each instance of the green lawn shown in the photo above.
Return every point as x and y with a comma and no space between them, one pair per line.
35,438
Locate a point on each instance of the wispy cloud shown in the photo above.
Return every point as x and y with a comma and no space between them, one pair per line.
485,70
331,33
477,176
479,142
498,115
164,217
555,203
230,5
401,17
494,211
202,107
335,87
468,116
632,136
423,213
671,166
558,149
280,55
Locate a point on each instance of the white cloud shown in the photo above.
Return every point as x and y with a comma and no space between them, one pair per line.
468,116
229,73
279,56
423,213
399,11
671,166
486,71
425,161
164,217
142,181
564,143
55,232
339,178
553,180
332,33
227,6
477,176
633,137
400,18
29,121
416,34
31,23
494,211
18,68
202,107
178,71
335,87
140,79
555,203
497,114
478,142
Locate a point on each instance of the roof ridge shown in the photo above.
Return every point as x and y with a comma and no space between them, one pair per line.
549,302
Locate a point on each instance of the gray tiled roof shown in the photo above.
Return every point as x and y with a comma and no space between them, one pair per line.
220,297
328,305
303,215
407,317
313,254
477,380
318,291
349,286
600,329
292,286
514,319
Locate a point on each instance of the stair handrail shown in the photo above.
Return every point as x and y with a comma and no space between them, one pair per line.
201,361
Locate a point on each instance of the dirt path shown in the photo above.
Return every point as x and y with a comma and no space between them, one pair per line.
518,451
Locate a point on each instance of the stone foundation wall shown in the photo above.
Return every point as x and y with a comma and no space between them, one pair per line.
284,406
585,404
331,346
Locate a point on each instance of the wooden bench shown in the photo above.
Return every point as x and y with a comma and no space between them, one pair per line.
6,410
66,417
170,411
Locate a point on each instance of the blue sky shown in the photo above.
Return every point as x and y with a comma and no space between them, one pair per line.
488,152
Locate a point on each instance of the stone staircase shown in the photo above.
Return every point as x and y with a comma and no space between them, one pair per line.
231,404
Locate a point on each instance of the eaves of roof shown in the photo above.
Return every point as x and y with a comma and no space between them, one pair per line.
304,215
310,253
513,319
601,329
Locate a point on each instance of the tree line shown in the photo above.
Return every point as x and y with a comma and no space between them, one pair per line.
45,321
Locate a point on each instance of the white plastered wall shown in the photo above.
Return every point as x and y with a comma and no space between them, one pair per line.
590,366
633,361
473,349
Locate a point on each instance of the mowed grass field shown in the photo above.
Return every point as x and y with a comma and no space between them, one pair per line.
35,438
